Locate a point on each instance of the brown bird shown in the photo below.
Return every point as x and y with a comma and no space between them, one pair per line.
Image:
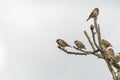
117,58
62,43
118,74
94,14
105,43
110,53
79,44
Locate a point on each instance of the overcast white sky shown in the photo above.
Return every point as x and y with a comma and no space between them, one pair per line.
29,29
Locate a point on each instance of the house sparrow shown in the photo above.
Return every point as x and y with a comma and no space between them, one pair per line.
62,43
118,74
117,58
110,53
94,14
79,44
105,43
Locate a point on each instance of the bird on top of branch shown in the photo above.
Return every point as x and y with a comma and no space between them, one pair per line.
110,53
105,43
94,14
79,44
62,43
117,58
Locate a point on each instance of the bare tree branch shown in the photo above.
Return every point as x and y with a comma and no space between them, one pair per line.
69,52
90,52
104,53
93,36
89,40
95,25
111,70
99,35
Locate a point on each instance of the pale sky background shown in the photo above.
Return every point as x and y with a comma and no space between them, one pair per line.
29,29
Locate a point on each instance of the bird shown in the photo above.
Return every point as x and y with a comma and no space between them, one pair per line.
117,58
110,53
118,74
62,43
94,14
105,43
79,44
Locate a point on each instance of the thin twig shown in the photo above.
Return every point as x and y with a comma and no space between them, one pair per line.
95,24
97,28
93,36
89,40
68,52
89,52
99,35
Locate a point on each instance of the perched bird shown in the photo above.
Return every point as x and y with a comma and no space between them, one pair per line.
118,74
79,44
94,14
62,43
110,53
117,58
105,43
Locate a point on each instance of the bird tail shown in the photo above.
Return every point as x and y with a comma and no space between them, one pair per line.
87,19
